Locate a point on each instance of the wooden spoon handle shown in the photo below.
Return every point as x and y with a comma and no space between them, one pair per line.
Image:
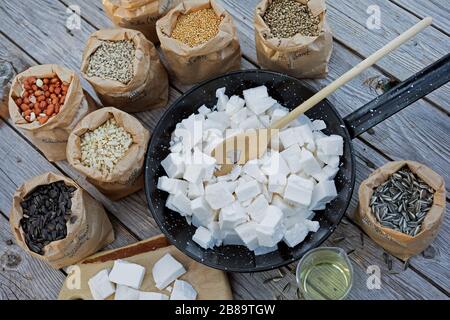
356,70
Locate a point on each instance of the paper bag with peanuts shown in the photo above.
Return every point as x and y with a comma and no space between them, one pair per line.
51,137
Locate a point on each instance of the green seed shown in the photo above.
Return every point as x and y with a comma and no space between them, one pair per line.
286,18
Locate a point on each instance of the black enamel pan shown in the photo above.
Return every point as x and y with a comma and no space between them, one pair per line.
290,92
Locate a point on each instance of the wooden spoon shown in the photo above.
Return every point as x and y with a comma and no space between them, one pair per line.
253,143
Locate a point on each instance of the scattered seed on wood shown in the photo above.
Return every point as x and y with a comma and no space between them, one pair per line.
349,252
402,202
429,253
337,240
197,27
280,273
286,18
9,242
361,237
385,257
286,288
389,263
405,265
272,279
299,294
276,279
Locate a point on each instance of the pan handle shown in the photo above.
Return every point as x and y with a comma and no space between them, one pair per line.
399,97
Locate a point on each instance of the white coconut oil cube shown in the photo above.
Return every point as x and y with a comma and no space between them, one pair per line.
203,237
127,274
183,290
299,190
218,195
166,270
100,286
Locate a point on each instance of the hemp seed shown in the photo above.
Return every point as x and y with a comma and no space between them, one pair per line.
286,18
113,60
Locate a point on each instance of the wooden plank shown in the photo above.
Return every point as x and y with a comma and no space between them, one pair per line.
92,11
406,135
438,9
348,22
21,276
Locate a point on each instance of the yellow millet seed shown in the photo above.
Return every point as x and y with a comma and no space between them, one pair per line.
197,27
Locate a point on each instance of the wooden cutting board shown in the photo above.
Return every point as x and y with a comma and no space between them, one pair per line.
211,284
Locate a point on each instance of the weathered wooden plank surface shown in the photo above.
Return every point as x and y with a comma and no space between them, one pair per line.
348,23
242,283
438,9
406,135
21,276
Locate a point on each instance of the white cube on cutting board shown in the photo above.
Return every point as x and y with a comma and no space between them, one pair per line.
166,270
100,286
127,274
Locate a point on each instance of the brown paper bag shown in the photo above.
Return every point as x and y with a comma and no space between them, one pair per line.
51,137
149,88
399,244
139,15
88,233
219,55
299,56
127,175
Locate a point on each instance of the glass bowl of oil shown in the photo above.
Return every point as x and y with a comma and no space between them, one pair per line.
325,273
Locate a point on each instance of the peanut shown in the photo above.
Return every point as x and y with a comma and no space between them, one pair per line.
24,107
41,96
50,110
42,120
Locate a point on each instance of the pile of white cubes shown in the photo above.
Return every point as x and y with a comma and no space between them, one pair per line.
125,280
263,202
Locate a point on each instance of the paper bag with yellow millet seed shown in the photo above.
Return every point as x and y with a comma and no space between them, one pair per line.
126,176
148,88
397,243
51,137
140,15
299,56
88,229
218,55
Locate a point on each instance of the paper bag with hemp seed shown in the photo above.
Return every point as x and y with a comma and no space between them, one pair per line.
88,226
302,51
398,243
112,157
140,15
199,60
51,136
133,83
